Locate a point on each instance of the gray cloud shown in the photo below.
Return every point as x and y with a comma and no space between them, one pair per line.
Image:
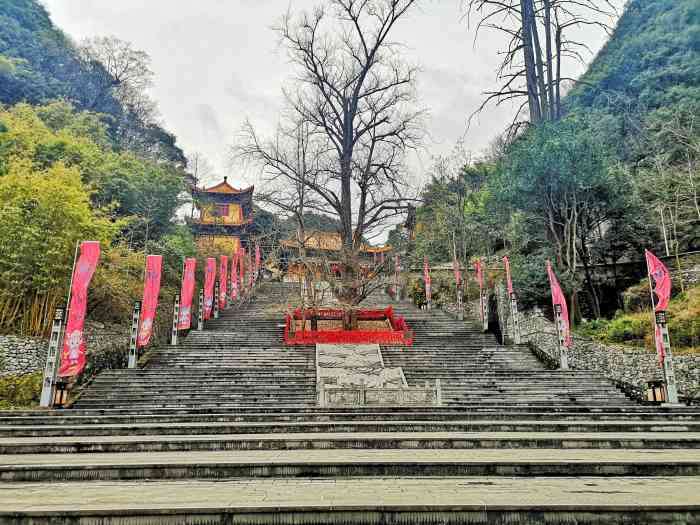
217,62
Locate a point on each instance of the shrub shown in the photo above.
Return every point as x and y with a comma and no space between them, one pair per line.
628,328
20,391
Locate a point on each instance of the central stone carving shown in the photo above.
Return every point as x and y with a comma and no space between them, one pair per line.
355,366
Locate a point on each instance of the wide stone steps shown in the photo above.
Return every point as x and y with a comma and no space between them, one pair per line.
355,440
582,414
107,428
376,500
225,428
346,463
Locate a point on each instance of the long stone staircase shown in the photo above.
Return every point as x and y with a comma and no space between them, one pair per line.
225,428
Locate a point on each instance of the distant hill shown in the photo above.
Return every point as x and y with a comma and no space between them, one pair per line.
652,60
39,63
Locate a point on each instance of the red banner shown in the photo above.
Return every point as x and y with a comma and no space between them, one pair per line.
427,280
381,258
151,290
234,275
559,299
187,294
509,280
662,280
241,262
209,278
223,280
258,259
73,354
457,271
251,271
478,270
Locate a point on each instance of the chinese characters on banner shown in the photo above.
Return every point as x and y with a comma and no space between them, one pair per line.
187,294
209,278
73,352
223,280
151,289
234,275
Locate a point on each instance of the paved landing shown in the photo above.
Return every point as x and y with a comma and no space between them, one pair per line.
478,493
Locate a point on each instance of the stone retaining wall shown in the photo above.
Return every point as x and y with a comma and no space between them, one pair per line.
629,365
23,355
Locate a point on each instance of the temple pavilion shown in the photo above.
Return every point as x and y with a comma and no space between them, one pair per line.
223,218
323,248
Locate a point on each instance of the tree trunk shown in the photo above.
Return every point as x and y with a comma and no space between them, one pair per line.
527,16
537,49
550,65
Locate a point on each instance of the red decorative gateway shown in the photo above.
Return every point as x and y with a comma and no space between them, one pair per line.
399,334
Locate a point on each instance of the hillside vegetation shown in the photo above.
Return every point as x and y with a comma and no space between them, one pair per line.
618,172
78,161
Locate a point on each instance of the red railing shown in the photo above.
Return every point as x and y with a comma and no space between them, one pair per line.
400,334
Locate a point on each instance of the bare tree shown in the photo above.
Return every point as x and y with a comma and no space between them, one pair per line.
530,70
358,99
356,92
126,74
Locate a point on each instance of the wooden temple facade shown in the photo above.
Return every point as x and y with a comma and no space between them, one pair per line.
224,217
322,248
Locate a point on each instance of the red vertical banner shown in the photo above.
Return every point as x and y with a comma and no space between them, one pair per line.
558,299
223,280
251,271
427,279
457,271
184,320
381,258
234,275
662,281
151,290
479,272
209,278
73,353
241,262
258,259
509,280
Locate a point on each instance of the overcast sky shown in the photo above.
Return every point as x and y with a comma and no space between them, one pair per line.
217,62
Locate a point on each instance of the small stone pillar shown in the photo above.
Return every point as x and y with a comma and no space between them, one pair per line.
52,358
133,341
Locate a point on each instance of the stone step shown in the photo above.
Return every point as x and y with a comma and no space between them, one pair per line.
354,440
105,428
370,501
318,415
346,464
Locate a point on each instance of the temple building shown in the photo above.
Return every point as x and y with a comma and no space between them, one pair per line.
323,248
223,218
